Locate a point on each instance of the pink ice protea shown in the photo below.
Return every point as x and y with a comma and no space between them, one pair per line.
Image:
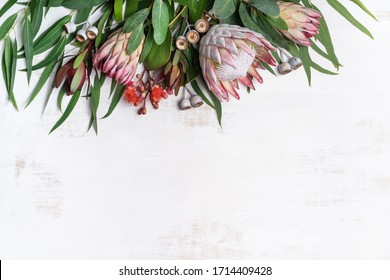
302,22
230,54
112,58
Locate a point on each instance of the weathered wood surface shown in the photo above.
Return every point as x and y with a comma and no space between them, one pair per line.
296,172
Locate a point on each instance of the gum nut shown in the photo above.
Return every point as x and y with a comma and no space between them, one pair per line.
196,101
284,68
142,111
70,27
202,25
181,43
92,32
81,35
295,63
193,37
185,104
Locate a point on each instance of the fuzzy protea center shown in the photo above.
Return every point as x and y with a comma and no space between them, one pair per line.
243,61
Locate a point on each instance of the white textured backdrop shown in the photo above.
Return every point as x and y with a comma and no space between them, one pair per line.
296,172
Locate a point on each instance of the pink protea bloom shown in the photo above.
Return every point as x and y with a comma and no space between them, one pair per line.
302,22
112,58
230,54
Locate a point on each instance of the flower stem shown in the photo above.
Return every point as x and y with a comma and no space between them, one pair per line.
177,16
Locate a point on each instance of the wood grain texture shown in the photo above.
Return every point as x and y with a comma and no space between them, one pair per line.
295,172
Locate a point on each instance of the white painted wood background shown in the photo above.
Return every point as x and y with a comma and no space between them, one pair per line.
296,172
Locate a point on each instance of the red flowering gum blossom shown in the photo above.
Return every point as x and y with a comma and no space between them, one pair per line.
156,95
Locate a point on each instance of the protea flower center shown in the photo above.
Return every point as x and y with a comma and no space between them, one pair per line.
230,54
242,61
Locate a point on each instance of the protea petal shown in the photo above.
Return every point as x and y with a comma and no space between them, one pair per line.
302,22
112,57
230,54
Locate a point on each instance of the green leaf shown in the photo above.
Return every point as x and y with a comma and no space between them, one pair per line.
54,55
160,21
41,82
217,104
277,22
79,59
95,100
348,16
50,36
61,95
118,10
7,25
131,8
58,25
6,62
115,100
135,39
159,54
13,73
224,8
268,68
103,19
78,78
364,8
321,69
50,93
82,15
324,37
262,26
199,92
9,68
147,45
81,4
135,20
28,47
268,7
307,62
6,7
36,17
72,103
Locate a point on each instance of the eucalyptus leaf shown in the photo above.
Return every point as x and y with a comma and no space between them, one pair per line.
72,103
28,47
135,39
159,55
160,21
115,100
81,4
7,6
7,25
41,82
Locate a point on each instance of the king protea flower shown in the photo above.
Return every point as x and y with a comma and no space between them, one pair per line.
302,22
230,54
112,58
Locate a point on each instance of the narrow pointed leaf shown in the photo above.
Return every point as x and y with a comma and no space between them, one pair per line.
7,25
37,16
41,82
72,103
135,39
364,8
118,10
6,7
115,100
28,47
342,10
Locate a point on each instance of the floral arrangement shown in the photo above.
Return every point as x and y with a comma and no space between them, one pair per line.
200,50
